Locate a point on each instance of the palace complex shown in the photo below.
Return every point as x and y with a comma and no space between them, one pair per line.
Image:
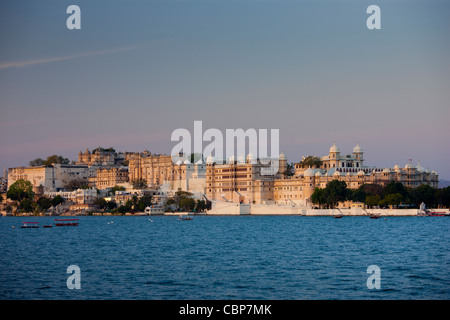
238,180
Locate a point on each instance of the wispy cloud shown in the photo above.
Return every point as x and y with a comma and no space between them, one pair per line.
19,64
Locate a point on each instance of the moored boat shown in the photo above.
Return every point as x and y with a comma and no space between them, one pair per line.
30,224
66,222
438,214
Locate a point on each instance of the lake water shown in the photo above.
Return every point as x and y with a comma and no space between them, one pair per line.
226,257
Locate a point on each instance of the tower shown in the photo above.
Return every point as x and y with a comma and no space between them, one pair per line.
334,156
358,155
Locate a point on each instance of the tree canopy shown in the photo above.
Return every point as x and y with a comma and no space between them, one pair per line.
19,190
50,159
393,194
310,161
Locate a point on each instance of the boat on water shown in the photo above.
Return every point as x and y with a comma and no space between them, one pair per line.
66,222
47,226
374,216
184,218
30,224
338,216
438,214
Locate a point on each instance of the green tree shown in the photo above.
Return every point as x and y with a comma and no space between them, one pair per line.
57,200
200,205
393,199
111,205
373,200
26,205
311,161
55,159
318,197
36,162
100,202
44,203
187,204
144,202
443,197
358,195
50,160
372,189
335,192
19,190
425,194
394,187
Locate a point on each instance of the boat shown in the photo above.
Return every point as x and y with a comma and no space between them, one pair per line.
47,226
374,216
66,222
184,218
30,224
438,214
338,216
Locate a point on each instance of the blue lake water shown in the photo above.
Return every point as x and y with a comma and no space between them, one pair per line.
226,257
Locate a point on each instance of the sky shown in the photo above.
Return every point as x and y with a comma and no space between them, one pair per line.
138,70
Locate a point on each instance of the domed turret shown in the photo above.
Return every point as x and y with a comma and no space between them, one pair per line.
334,148
357,149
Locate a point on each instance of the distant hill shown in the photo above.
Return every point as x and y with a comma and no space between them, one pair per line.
444,183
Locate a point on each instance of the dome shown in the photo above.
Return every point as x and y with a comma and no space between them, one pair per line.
282,156
334,148
409,166
241,159
318,174
251,158
357,149
231,160
187,161
336,173
396,167
361,173
386,170
210,159
178,162
199,162
309,172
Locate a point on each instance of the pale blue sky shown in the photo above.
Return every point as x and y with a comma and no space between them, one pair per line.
137,70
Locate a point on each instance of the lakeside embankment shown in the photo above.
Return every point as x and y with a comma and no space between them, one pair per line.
233,209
